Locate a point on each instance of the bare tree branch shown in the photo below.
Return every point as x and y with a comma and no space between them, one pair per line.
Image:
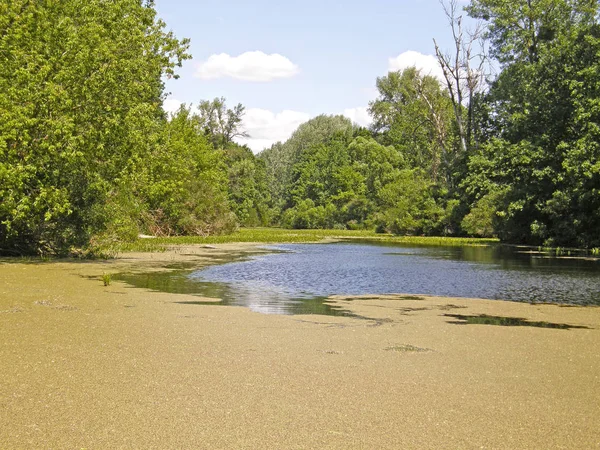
462,80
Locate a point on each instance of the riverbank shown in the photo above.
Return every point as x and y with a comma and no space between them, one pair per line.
93,366
283,235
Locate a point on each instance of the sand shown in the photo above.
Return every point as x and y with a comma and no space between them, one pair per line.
88,366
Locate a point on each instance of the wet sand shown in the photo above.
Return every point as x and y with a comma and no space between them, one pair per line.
88,366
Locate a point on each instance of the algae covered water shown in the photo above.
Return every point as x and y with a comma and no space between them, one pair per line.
296,278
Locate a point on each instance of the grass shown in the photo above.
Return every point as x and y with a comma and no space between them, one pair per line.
279,235
106,279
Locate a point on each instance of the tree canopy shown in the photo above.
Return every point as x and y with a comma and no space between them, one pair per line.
88,156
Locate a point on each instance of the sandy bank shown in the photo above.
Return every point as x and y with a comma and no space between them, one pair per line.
89,366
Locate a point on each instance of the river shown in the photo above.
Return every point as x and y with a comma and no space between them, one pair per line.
296,278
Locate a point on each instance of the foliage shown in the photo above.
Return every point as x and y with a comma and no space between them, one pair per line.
247,187
185,182
522,30
106,279
483,218
220,123
281,157
408,205
346,179
375,163
80,93
337,183
413,114
542,146
89,159
279,235
308,215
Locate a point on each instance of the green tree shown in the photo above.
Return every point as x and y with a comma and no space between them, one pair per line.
220,123
248,187
409,205
281,158
519,30
185,183
377,164
541,151
80,97
413,114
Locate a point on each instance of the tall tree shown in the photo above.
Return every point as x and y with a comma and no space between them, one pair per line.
183,184
248,187
539,164
220,123
281,157
80,97
414,114
463,70
518,30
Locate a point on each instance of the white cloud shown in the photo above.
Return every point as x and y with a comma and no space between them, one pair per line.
428,64
266,127
249,66
171,105
358,115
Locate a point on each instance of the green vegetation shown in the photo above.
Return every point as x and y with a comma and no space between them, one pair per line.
80,120
539,151
89,160
280,235
517,160
106,279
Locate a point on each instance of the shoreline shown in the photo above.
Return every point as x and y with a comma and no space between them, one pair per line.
93,367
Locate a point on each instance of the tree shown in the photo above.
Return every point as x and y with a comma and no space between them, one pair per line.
378,165
542,144
184,186
409,205
281,157
80,102
463,71
221,124
414,114
519,30
248,187
323,173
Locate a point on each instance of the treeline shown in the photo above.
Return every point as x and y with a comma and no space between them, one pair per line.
397,177
88,157
517,156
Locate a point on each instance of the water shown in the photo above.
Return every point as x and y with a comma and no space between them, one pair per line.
296,278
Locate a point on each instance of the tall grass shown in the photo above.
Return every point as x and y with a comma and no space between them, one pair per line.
279,235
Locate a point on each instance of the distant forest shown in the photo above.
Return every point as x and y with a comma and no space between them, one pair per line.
88,156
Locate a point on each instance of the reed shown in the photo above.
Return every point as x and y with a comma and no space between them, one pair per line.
280,235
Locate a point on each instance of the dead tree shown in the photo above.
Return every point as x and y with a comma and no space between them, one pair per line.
463,69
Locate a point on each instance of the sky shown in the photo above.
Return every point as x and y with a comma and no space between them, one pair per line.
289,60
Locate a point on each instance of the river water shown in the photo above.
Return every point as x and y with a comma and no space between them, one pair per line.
295,278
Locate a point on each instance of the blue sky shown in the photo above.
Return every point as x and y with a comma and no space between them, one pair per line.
287,61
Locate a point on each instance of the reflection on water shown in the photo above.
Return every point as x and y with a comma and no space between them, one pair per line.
255,296
296,278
